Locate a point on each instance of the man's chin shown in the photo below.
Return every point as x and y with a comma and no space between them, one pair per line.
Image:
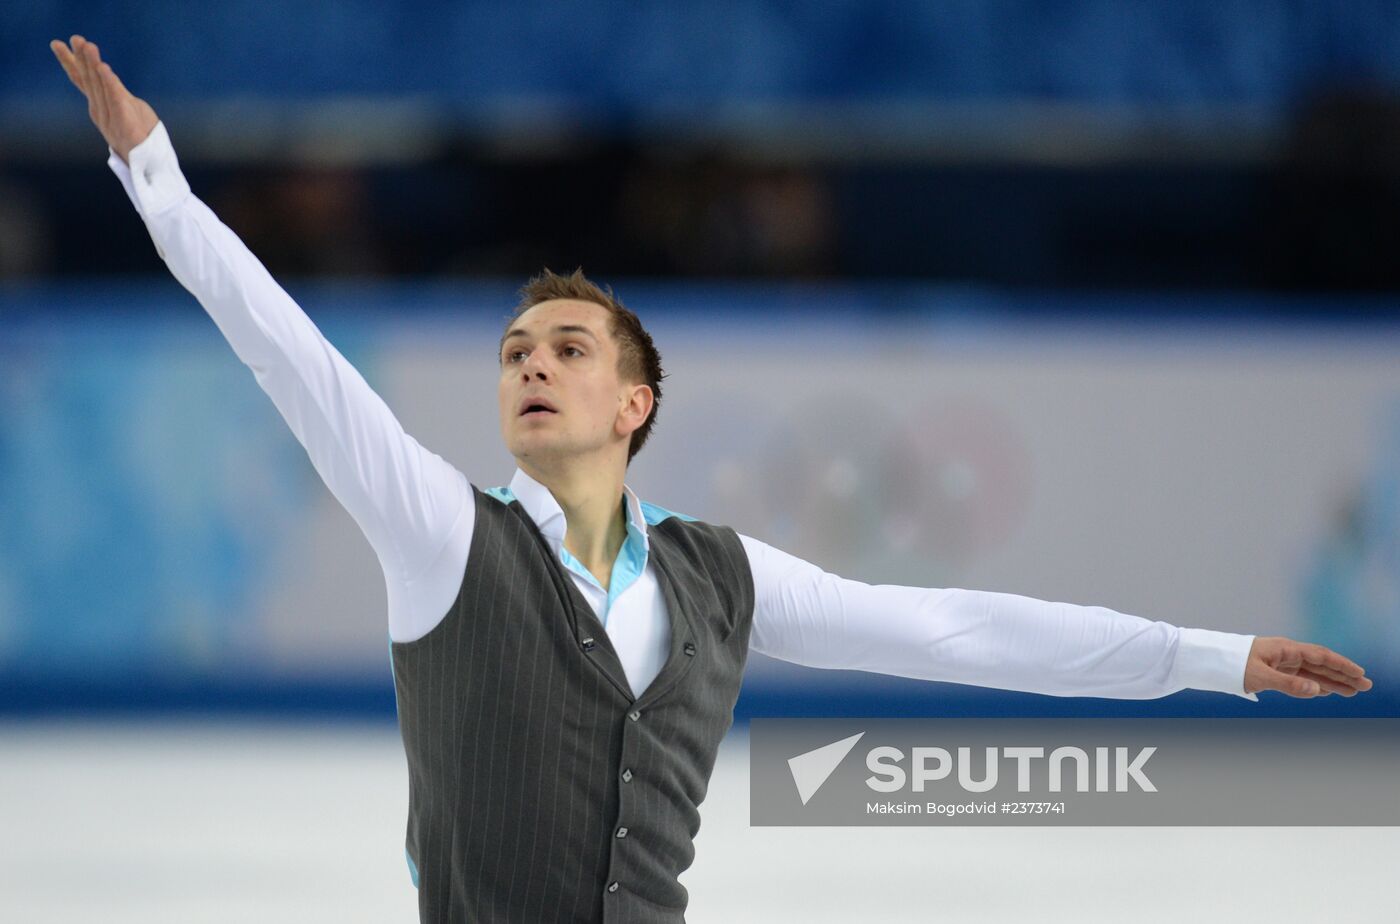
537,446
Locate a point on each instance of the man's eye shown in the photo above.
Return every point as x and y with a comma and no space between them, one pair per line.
510,357
575,350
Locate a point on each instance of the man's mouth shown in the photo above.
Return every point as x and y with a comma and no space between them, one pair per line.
536,406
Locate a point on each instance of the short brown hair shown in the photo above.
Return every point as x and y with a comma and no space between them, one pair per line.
638,359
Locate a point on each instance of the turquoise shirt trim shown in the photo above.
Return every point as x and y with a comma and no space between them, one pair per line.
412,867
654,514
504,495
631,561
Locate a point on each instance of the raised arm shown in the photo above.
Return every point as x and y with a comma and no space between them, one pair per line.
410,503
983,638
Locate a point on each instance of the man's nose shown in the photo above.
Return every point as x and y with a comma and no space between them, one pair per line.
533,367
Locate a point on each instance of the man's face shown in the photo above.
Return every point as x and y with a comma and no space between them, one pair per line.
560,355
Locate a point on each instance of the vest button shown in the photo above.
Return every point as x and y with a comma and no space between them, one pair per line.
634,715
627,775
612,887
621,832
588,644
690,648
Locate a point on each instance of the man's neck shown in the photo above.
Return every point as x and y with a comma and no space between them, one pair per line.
595,518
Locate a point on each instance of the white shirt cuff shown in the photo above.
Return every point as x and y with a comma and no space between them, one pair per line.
1211,660
151,175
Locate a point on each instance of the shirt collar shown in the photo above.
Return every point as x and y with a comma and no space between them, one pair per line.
540,504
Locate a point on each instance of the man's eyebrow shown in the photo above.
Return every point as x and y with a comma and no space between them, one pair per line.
558,329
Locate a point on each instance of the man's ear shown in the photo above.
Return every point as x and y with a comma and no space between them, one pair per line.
635,409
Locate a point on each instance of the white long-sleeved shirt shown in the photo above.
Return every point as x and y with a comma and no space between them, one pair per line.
418,514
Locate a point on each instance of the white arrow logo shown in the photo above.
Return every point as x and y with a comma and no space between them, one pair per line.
810,770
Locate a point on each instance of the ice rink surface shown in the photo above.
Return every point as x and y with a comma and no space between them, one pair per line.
235,822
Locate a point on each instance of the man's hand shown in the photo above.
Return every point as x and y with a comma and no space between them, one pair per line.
124,120
1300,669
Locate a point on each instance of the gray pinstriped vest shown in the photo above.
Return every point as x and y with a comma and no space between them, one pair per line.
540,787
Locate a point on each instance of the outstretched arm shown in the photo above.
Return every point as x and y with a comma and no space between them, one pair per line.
808,616
410,503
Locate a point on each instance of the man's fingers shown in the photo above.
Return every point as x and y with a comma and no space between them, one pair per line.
92,60
1326,657
115,88
80,59
1327,683
1307,683
1291,684
70,66
1351,681
74,67
78,42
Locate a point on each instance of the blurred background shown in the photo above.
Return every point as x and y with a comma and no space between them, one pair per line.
1088,301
